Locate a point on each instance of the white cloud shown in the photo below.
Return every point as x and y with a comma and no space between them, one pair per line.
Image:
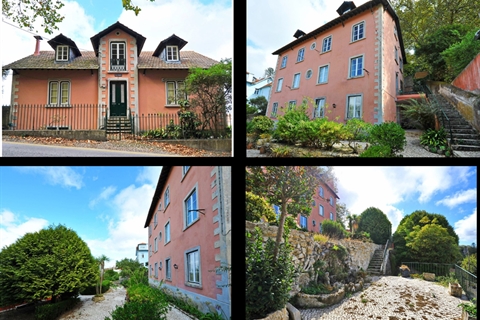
208,28
272,23
386,187
13,228
104,195
125,227
466,229
460,197
149,175
63,176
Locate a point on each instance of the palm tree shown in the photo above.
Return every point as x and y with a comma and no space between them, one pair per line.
101,261
353,220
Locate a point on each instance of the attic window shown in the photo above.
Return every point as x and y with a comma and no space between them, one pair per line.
62,53
172,53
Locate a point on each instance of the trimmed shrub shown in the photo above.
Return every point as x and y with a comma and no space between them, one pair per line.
262,124
111,275
388,134
139,311
267,283
333,229
90,290
376,223
257,207
288,124
52,311
376,152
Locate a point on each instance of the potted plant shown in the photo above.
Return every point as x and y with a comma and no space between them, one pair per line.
469,310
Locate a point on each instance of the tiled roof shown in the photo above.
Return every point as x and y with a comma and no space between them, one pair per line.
188,59
46,60
88,60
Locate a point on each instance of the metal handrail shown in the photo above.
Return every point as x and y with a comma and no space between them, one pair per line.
384,253
443,115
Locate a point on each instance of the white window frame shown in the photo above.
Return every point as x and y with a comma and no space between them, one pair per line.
296,76
319,112
190,218
274,109
193,258
291,104
156,244
156,270
321,211
320,192
178,85
284,62
171,53
301,57
62,53
331,216
166,227
118,67
303,218
360,96
155,220
396,54
350,62
356,33
320,68
327,43
331,201
168,269
59,95
185,170
279,85
166,196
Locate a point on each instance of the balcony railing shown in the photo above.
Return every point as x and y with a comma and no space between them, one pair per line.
117,65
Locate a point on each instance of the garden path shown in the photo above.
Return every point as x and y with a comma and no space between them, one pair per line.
393,298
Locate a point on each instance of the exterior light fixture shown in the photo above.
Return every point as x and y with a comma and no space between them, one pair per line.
175,266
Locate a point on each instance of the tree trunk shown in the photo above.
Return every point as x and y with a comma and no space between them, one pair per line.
283,216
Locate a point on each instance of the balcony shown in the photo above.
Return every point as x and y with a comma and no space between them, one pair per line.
118,65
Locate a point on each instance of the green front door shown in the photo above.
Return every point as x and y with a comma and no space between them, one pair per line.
118,98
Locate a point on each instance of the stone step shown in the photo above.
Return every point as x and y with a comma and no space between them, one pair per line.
465,147
468,142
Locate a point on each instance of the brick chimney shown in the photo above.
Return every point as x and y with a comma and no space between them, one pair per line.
37,46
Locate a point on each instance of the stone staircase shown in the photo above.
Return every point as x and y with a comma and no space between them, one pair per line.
118,125
376,262
465,137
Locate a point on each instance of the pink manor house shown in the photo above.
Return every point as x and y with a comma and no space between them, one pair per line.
117,75
189,223
351,67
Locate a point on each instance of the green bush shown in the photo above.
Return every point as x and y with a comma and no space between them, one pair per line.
388,134
139,275
460,54
111,275
333,229
52,311
90,290
376,152
250,127
356,130
257,207
330,132
139,311
262,124
436,140
420,113
144,293
376,224
267,283
288,124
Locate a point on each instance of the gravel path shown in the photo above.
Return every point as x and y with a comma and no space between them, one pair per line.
89,310
393,298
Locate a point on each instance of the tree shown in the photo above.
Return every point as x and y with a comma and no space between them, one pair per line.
269,73
260,103
210,92
469,263
101,262
376,223
26,12
342,213
406,226
432,243
51,262
128,266
460,54
257,208
291,188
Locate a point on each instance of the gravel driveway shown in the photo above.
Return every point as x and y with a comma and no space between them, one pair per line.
89,310
394,298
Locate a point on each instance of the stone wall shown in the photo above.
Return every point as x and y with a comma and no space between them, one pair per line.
360,252
306,251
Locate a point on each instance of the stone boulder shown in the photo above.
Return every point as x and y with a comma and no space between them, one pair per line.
293,312
98,299
303,300
429,276
454,289
277,315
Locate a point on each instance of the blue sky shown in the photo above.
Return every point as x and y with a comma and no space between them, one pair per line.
399,191
207,26
106,206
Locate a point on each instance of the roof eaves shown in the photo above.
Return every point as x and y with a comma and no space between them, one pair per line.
158,192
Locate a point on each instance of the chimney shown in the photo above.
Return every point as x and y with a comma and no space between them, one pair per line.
37,45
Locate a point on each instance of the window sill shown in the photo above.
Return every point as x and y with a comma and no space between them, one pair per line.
323,52
191,224
322,83
167,242
193,285
354,41
362,76
299,61
172,106
113,71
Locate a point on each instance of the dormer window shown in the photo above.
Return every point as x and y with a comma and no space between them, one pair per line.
172,53
62,53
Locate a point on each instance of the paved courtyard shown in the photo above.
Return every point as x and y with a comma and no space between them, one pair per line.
393,298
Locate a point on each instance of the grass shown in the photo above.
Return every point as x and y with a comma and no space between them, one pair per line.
320,238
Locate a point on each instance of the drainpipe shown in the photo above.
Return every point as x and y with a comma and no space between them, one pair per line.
37,46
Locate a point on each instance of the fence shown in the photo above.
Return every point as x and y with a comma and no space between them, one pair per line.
468,282
440,269
57,117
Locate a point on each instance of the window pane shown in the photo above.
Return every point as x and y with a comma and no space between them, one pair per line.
64,93
122,93
170,92
279,84
191,204
53,92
